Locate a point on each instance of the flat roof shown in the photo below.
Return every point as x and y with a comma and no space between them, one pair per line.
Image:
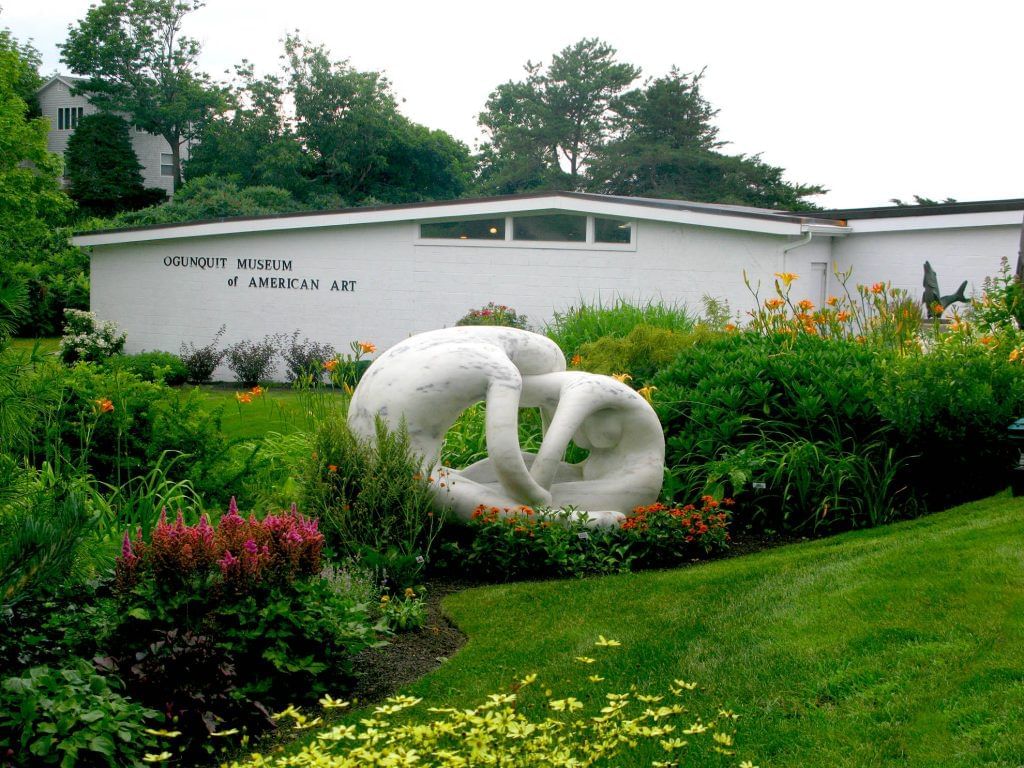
941,209
677,211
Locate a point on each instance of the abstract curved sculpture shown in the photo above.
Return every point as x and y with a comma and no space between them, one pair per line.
429,379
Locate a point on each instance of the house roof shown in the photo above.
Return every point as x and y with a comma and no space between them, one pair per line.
68,80
674,211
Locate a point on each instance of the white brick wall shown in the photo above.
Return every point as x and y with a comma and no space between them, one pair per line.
404,285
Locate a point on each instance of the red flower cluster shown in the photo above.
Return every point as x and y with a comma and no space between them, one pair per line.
509,515
242,550
697,523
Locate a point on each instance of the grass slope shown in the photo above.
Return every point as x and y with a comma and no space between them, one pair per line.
899,646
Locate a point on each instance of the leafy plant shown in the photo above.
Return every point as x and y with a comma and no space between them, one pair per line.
201,362
641,353
71,716
160,367
405,613
373,499
305,358
252,361
589,322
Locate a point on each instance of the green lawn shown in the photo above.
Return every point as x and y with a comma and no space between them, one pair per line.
278,409
47,345
899,646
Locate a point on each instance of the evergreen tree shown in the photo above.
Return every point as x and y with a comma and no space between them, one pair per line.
104,174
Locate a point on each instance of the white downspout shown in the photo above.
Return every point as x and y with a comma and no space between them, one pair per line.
795,244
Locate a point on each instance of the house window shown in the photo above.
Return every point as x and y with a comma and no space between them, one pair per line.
166,164
68,117
555,227
472,229
612,231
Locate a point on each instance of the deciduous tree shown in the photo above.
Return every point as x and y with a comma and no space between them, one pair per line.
138,62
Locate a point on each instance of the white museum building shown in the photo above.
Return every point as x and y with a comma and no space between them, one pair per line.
380,274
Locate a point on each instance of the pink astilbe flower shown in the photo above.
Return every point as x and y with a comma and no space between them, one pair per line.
278,547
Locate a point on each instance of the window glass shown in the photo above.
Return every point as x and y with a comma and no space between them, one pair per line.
555,227
472,229
612,231
166,164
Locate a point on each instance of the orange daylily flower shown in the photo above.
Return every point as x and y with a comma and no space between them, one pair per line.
256,391
832,301
877,288
330,365
367,348
773,303
577,360
806,305
243,397
104,405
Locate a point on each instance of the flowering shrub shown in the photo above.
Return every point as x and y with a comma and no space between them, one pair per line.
522,542
88,339
1001,305
661,535
495,314
246,593
372,499
518,543
499,731
201,362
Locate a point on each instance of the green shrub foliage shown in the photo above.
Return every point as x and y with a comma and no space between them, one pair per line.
815,434
71,716
641,353
155,366
372,500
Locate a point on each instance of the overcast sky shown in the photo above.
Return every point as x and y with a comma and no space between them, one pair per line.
874,100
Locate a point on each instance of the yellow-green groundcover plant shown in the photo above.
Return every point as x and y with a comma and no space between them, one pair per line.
568,733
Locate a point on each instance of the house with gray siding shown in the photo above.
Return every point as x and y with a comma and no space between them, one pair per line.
64,110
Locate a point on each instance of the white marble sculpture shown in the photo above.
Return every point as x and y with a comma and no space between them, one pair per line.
429,379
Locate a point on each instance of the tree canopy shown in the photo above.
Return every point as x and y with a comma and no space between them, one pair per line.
137,62
582,124
342,139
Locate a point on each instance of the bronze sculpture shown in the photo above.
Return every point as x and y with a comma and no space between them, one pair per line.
931,296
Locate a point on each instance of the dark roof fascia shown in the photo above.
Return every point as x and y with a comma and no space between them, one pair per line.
646,203
943,209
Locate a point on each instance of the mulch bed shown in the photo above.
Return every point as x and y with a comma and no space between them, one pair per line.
408,656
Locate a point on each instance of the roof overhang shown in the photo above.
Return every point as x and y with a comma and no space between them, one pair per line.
903,223
675,212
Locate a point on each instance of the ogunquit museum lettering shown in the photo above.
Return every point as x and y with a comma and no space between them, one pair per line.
258,265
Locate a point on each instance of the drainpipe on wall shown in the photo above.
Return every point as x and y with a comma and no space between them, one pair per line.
795,244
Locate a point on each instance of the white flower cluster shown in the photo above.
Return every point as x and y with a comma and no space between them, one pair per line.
87,338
